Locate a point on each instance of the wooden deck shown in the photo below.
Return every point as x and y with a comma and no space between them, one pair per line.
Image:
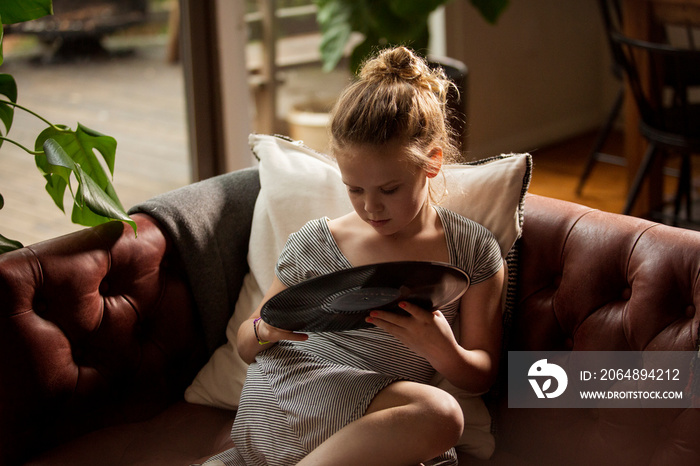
137,98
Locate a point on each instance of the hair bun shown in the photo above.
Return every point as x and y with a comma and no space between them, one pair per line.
397,63
401,64
397,96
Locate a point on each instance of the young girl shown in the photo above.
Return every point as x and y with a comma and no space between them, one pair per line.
361,396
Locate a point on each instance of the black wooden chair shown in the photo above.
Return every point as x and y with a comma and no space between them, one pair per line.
660,77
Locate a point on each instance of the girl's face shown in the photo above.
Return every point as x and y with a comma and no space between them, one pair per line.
386,190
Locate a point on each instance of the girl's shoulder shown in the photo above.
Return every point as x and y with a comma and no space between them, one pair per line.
475,248
454,220
308,236
308,252
312,227
343,223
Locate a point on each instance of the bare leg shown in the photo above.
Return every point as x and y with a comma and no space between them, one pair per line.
405,424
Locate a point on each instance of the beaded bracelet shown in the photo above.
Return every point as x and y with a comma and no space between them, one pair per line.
255,329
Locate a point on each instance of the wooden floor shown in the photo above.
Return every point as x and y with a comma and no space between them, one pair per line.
139,99
557,170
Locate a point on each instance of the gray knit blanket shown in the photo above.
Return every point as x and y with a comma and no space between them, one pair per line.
209,223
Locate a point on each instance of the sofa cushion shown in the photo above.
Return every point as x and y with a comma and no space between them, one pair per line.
299,184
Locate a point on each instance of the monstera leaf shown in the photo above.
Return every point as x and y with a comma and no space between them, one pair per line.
17,11
71,154
5,243
8,89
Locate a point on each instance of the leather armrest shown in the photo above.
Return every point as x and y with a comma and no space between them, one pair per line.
96,328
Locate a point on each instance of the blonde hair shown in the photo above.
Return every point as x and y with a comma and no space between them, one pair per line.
398,96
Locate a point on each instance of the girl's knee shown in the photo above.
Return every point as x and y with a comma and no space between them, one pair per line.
434,415
446,417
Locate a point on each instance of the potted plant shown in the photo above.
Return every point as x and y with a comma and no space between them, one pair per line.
65,157
381,23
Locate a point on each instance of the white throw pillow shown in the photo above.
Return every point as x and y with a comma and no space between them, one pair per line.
299,184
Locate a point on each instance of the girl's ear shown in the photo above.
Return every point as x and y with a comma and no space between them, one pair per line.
435,164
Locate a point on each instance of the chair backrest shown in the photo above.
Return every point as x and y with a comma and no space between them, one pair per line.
659,75
611,13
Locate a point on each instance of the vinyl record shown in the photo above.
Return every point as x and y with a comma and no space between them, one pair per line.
341,300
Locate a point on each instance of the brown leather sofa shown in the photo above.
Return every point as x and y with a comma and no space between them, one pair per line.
101,333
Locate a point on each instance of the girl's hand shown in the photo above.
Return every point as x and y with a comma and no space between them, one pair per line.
268,333
426,333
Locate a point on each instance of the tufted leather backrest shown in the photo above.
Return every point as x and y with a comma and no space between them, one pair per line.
96,327
592,280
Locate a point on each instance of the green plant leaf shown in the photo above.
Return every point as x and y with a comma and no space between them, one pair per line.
56,179
7,245
394,29
67,152
2,32
377,21
76,149
102,205
490,9
412,9
8,88
56,183
17,11
57,160
93,203
361,51
81,145
334,19
383,23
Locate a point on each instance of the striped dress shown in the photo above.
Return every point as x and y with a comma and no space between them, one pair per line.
297,394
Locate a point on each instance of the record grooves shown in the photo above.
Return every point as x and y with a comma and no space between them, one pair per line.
341,300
